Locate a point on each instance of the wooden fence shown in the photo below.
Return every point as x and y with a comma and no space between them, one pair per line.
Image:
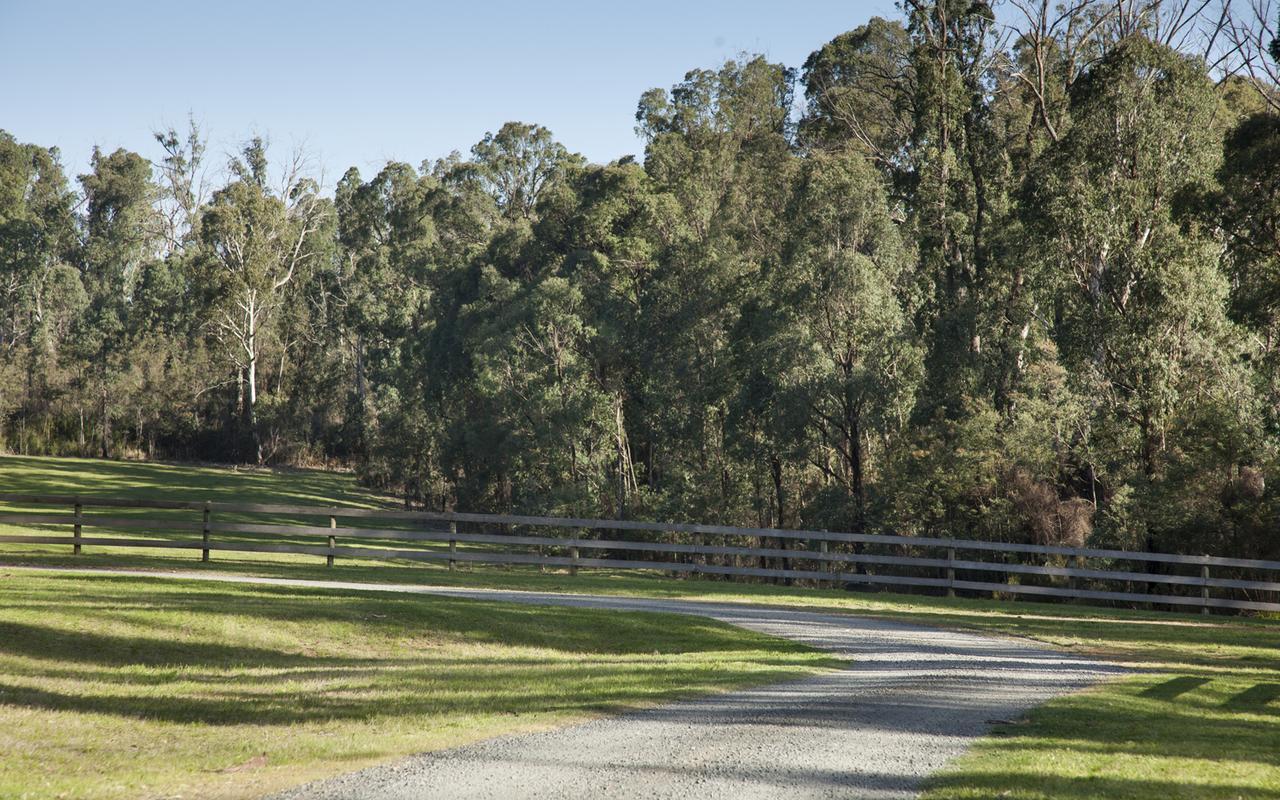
820,557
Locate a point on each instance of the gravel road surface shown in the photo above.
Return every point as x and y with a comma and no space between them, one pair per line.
913,698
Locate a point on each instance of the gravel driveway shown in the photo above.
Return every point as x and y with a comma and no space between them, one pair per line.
913,698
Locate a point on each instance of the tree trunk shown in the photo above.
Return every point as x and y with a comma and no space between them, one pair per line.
104,428
857,482
250,411
362,413
360,379
625,467
780,499
235,419
251,395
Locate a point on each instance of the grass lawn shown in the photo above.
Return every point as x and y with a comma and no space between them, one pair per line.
1199,719
153,481
132,687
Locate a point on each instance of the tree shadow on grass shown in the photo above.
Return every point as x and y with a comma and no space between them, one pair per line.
970,784
369,690
157,480
55,644
1261,698
351,655
1165,720
1174,687
450,619
1242,642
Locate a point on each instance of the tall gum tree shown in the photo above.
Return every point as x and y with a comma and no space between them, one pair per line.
859,90
41,293
953,48
1247,207
257,242
840,291
1140,304
719,145
121,235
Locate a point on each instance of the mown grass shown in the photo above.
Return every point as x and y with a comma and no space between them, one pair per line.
177,482
1181,734
1199,718
157,481
132,687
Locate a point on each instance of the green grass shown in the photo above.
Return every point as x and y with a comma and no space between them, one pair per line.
131,687
1200,718
92,477
139,480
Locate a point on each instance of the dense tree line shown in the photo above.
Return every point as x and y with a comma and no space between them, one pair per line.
941,280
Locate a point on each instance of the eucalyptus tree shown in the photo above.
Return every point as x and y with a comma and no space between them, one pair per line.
37,239
959,186
549,414
1247,208
41,293
859,89
183,185
719,145
120,237
385,291
540,422
371,287
1140,306
839,292
1253,32
257,243
601,231
518,163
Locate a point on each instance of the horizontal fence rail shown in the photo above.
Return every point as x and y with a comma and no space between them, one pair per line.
1003,570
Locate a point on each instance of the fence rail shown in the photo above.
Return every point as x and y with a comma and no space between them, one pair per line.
1115,576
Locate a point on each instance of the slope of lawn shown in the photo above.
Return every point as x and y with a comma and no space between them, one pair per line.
116,687
156,481
1199,718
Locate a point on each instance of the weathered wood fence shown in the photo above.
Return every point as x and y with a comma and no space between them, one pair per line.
821,557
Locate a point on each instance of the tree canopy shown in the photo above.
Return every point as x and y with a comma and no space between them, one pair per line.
942,279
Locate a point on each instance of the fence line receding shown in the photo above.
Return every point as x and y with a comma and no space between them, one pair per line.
819,557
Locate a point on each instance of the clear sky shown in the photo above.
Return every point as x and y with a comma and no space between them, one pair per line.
361,83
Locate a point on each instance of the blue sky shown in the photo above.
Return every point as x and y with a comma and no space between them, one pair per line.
361,83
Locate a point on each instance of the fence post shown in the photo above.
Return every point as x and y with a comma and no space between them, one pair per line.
822,548
75,548
1204,589
204,535
573,559
333,540
453,545
951,572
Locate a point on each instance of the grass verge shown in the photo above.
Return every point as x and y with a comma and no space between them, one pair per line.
115,687
1200,718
